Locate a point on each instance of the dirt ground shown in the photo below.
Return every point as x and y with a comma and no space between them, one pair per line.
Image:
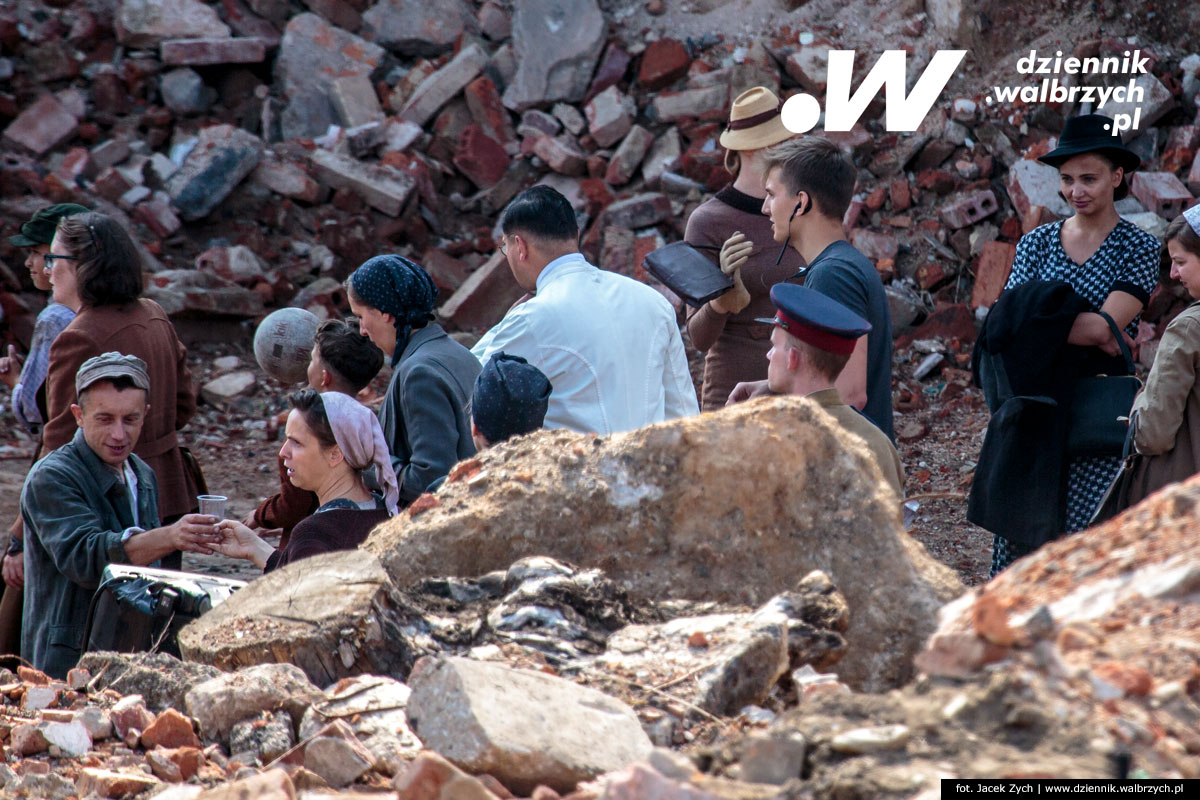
237,445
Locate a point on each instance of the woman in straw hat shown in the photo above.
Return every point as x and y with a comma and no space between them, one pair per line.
735,346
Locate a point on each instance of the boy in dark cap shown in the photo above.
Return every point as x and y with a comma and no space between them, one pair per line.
813,340
27,382
510,399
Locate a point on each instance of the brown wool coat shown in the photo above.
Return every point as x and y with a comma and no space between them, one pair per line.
734,345
1168,410
141,329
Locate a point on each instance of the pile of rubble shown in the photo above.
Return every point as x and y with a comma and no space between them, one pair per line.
491,695
263,148
1080,661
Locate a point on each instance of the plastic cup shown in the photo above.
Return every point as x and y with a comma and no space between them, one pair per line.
213,505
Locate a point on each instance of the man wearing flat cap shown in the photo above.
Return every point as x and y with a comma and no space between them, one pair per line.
813,340
92,503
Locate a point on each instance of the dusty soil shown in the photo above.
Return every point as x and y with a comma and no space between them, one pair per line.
236,447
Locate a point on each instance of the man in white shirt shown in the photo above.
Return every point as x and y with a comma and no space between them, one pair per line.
609,344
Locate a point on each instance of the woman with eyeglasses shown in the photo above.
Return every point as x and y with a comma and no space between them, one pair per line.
95,270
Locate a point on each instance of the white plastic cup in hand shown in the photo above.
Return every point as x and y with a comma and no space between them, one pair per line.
213,505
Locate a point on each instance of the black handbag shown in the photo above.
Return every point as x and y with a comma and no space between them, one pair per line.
688,273
1099,420
1116,499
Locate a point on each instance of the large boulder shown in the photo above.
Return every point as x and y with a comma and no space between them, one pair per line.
522,727
557,43
334,616
220,703
732,506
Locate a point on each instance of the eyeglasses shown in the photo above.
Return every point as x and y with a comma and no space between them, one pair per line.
48,259
504,244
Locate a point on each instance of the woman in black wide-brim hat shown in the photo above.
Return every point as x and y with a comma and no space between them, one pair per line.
1108,261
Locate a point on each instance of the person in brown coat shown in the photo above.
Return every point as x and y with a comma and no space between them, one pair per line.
724,328
96,271
1166,414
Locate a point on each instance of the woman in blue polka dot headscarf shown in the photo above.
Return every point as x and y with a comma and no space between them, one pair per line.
426,413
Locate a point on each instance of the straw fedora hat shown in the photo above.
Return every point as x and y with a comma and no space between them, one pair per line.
754,121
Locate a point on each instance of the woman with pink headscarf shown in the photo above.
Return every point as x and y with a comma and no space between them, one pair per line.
331,440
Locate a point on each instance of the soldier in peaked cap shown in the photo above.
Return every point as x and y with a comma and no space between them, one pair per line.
813,339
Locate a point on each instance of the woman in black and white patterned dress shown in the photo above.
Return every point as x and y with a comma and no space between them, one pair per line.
1108,261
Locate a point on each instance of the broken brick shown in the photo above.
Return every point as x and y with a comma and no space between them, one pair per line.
440,87
354,99
628,156
222,157
170,729
42,126
707,103
1161,192
610,71
969,208
663,62
561,155
480,157
286,179
873,244
111,184
638,211
489,113
936,180
610,116
484,297
1033,188
570,117
383,187
933,154
157,215
535,123
900,194
191,52
447,271
930,275
809,66
991,272
107,783
875,200
77,163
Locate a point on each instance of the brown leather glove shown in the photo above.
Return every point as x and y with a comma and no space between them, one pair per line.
734,253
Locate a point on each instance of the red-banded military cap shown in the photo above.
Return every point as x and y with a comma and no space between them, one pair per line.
816,319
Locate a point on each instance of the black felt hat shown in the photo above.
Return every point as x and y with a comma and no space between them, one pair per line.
1091,133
